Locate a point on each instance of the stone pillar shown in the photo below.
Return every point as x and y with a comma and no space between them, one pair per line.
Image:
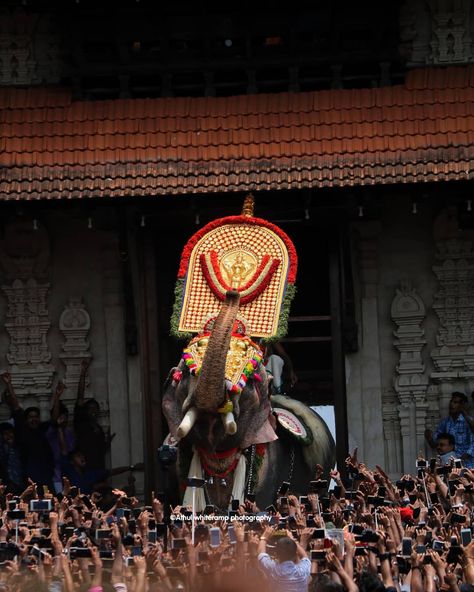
24,259
371,433
408,313
116,369
452,356
74,324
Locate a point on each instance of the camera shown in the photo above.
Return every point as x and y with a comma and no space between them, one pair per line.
167,455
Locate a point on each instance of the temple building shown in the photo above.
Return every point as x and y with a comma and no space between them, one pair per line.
127,126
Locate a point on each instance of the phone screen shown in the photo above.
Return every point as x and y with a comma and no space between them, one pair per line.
214,536
406,547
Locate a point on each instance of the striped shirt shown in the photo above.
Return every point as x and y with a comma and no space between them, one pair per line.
463,437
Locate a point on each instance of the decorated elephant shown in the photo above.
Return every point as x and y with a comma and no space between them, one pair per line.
233,291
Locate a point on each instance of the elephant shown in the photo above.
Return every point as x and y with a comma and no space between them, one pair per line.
241,429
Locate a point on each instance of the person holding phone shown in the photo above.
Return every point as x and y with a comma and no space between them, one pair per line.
458,424
445,448
30,434
90,436
291,571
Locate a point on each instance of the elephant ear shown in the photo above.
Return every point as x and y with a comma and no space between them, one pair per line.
175,393
256,419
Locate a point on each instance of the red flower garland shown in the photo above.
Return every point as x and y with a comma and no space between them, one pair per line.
218,456
186,254
219,291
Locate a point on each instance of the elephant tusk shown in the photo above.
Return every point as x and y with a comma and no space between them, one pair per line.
229,423
187,422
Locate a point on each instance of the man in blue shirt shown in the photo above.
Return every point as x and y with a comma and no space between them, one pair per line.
458,423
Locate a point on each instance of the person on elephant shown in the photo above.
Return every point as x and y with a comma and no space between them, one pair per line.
90,436
278,363
291,571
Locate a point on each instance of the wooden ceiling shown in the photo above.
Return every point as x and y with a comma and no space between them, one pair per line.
142,49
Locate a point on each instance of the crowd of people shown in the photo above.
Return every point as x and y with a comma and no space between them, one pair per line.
359,531
47,451
366,533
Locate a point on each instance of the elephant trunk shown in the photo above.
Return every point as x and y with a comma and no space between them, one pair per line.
209,394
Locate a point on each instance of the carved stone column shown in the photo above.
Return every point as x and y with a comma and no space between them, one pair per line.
24,259
408,313
365,406
116,370
392,433
436,32
453,355
74,324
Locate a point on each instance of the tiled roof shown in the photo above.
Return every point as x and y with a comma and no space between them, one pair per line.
54,148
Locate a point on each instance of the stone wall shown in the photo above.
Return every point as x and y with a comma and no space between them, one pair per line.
61,300
414,278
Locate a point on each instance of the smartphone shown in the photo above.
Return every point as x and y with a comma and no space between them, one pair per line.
103,533
360,552
151,524
235,504
407,544
283,500
310,522
16,514
136,551
80,553
152,536
317,555
458,518
271,509
178,543
438,545
284,487
86,501
466,536
457,463
421,463
337,491
420,549
318,533
303,499
214,536
73,492
128,561
382,491
45,532
231,532
452,485
202,531
318,485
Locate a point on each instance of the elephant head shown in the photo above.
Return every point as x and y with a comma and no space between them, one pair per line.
199,408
